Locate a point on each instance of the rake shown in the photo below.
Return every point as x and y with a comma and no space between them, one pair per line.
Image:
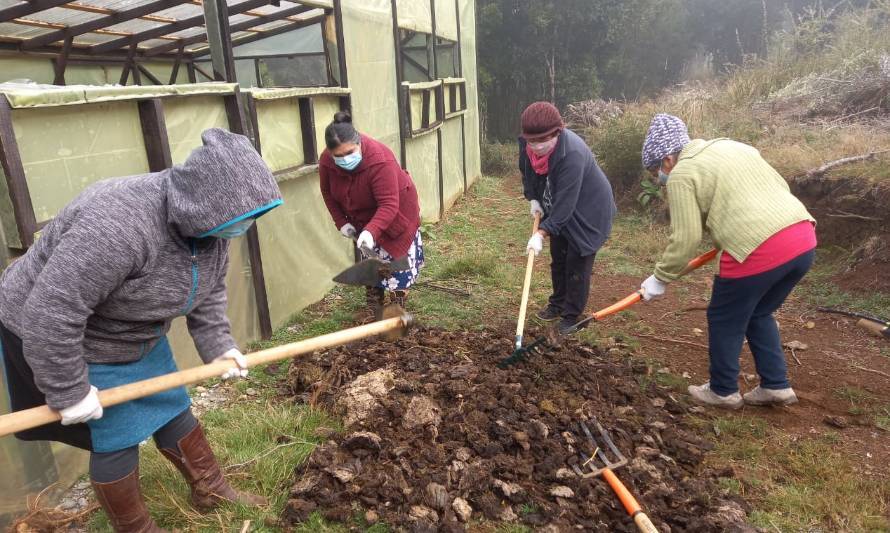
520,352
606,471
553,338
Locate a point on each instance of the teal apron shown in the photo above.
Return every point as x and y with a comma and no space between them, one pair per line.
127,424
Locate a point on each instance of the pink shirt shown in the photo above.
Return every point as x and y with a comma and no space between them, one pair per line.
777,250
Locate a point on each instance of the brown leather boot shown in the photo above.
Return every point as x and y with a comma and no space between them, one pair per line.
196,462
123,503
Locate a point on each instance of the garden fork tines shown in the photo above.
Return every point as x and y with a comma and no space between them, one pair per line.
597,451
617,460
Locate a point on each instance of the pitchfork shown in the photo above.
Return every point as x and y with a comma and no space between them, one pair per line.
607,471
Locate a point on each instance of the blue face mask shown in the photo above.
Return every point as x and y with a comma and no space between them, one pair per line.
235,230
662,177
349,161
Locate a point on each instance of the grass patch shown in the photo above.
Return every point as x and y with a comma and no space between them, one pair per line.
268,446
800,484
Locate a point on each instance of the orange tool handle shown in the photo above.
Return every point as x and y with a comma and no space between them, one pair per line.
628,301
620,305
629,502
697,262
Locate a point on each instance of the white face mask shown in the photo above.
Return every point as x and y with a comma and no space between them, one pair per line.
543,148
662,177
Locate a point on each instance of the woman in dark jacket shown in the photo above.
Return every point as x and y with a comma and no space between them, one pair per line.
563,182
89,306
372,200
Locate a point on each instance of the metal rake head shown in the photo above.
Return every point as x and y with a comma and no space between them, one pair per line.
597,451
539,347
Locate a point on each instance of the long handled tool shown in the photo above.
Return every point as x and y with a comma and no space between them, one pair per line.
631,299
38,416
607,472
519,352
554,338
876,325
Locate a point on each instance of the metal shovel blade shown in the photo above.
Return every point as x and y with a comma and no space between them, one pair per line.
369,272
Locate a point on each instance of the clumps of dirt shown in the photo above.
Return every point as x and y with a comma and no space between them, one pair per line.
438,436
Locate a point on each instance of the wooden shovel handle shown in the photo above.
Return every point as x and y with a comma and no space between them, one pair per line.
38,416
629,502
526,286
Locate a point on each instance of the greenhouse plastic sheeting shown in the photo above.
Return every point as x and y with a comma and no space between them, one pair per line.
291,92
414,15
446,20
423,165
35,95
452,161
281,138
93,142
302,250
468,56
325,108
370,55
187,118
35,69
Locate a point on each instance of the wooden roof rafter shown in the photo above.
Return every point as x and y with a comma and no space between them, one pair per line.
247,25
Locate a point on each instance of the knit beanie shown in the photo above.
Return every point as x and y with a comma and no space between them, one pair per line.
667,135
540,119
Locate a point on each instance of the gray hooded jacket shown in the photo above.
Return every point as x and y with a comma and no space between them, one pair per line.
121,261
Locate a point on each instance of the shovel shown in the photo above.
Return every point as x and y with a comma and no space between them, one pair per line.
38,416
520,352
611,459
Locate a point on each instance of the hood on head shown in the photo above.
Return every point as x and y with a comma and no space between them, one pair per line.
222,182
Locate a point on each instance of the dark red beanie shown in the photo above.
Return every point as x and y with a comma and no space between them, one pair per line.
540,119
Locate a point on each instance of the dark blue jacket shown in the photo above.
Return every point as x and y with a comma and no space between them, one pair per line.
576,196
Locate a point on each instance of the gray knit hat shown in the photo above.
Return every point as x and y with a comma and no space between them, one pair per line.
667,135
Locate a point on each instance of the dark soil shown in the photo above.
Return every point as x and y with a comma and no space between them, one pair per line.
454,426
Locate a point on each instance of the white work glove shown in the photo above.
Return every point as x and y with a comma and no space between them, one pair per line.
87,409
348,231
365,241
653,288
536,208
240,360
536,243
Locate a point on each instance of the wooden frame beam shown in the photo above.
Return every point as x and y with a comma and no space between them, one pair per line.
341,43
33,6
101,22
61,62
154,33
307,127
240,26
154,134
11,160
404,96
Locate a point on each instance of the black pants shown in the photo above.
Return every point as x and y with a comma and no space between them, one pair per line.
570,273
743,308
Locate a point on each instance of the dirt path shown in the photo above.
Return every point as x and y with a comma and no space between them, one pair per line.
835,395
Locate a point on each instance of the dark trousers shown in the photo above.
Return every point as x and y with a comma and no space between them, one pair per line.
570,273
743,308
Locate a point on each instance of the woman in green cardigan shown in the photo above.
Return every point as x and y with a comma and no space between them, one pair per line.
767,239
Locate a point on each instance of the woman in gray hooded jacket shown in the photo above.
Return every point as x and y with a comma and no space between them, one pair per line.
89,307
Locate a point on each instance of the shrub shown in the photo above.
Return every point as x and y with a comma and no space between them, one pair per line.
499,159
617,145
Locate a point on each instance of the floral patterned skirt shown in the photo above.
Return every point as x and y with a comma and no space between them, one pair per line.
403,279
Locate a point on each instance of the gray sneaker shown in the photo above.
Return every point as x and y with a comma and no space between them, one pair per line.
548,314
704,395
761,396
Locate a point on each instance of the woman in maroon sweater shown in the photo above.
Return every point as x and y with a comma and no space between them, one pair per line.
373,201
